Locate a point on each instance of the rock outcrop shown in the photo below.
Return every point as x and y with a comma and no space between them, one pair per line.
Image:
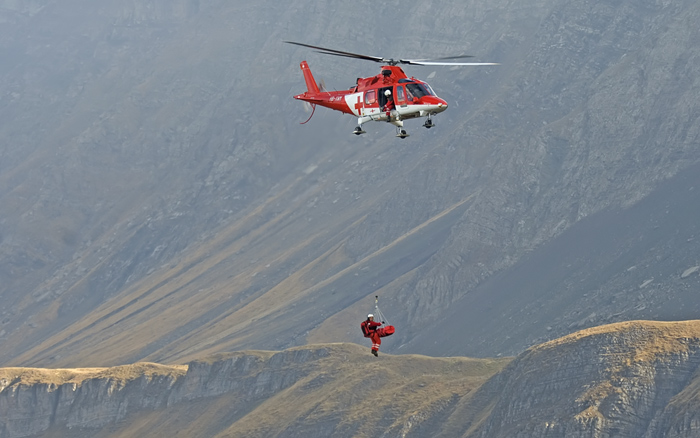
632,379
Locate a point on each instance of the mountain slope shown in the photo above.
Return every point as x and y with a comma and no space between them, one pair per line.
161,202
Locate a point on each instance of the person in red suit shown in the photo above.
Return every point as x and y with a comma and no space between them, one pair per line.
389,106
369,329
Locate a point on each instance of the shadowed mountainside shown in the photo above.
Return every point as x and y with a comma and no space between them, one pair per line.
632,261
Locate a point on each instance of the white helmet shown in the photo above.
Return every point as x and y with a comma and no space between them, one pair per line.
370,316
387,93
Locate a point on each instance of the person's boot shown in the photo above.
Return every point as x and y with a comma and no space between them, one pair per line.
374,352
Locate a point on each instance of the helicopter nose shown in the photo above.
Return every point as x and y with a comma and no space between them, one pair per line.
436,104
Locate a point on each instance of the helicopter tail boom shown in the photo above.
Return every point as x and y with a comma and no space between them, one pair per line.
309,78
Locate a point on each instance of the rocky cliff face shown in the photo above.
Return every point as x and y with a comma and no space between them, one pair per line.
623,380
35,400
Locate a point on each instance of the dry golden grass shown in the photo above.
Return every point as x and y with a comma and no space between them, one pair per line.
17,376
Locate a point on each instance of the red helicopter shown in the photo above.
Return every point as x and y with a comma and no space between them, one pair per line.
390,96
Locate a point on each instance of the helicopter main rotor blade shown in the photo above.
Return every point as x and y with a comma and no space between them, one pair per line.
442,58
436,61
430,61
326,51
446,63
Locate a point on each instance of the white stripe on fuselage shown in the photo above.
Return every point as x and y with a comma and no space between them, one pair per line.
352,101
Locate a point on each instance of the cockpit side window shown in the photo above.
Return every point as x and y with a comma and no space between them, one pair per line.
409,95
417,90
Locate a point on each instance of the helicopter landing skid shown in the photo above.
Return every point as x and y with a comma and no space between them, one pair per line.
401,133
358,130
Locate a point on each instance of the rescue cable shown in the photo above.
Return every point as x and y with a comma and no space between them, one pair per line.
378,315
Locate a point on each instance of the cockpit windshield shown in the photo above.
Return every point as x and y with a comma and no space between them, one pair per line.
419,90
